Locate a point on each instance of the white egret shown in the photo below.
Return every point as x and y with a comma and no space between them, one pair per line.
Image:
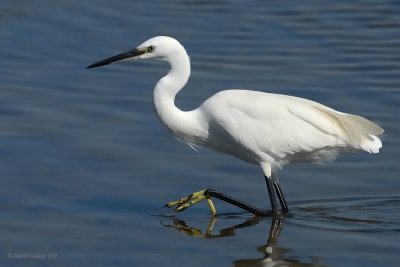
270,130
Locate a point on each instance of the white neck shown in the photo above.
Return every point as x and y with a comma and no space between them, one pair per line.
182,124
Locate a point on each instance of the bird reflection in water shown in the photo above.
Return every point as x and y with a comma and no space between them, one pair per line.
182,227
272,254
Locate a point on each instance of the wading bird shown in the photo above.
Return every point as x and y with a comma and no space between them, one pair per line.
270,130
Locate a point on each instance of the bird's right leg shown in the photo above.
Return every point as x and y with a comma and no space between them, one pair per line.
274,188
271,192
279,192
281,197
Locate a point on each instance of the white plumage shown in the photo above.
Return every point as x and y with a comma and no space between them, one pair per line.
270,130
258,127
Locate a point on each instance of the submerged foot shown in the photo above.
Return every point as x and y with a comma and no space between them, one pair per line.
184,203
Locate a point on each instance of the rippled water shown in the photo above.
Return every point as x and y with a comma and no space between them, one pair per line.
86,166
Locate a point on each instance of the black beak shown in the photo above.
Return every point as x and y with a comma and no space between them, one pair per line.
130,54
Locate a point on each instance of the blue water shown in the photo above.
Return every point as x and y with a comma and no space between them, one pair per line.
86,166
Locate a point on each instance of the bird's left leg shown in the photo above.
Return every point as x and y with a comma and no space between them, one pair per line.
186,202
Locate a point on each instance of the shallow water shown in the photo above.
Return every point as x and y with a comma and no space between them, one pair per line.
86,166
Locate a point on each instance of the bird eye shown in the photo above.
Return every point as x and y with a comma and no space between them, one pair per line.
150,48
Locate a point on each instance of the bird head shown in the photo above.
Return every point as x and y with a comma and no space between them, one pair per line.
160,47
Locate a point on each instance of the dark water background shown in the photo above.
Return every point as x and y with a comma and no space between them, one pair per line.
85,166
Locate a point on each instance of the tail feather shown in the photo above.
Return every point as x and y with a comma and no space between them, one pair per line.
356,131
372,146
362,133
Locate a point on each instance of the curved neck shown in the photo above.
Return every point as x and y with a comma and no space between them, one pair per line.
176,78
167,88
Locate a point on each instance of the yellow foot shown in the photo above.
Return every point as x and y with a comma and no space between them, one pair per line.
184,203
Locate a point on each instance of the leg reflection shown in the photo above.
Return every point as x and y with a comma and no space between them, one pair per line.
272,253
182,227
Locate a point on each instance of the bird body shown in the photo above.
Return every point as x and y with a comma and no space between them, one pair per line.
267,129
259,127
277,129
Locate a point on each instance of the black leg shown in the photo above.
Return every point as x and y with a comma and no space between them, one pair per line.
273,190
281,197
271,193
237,203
